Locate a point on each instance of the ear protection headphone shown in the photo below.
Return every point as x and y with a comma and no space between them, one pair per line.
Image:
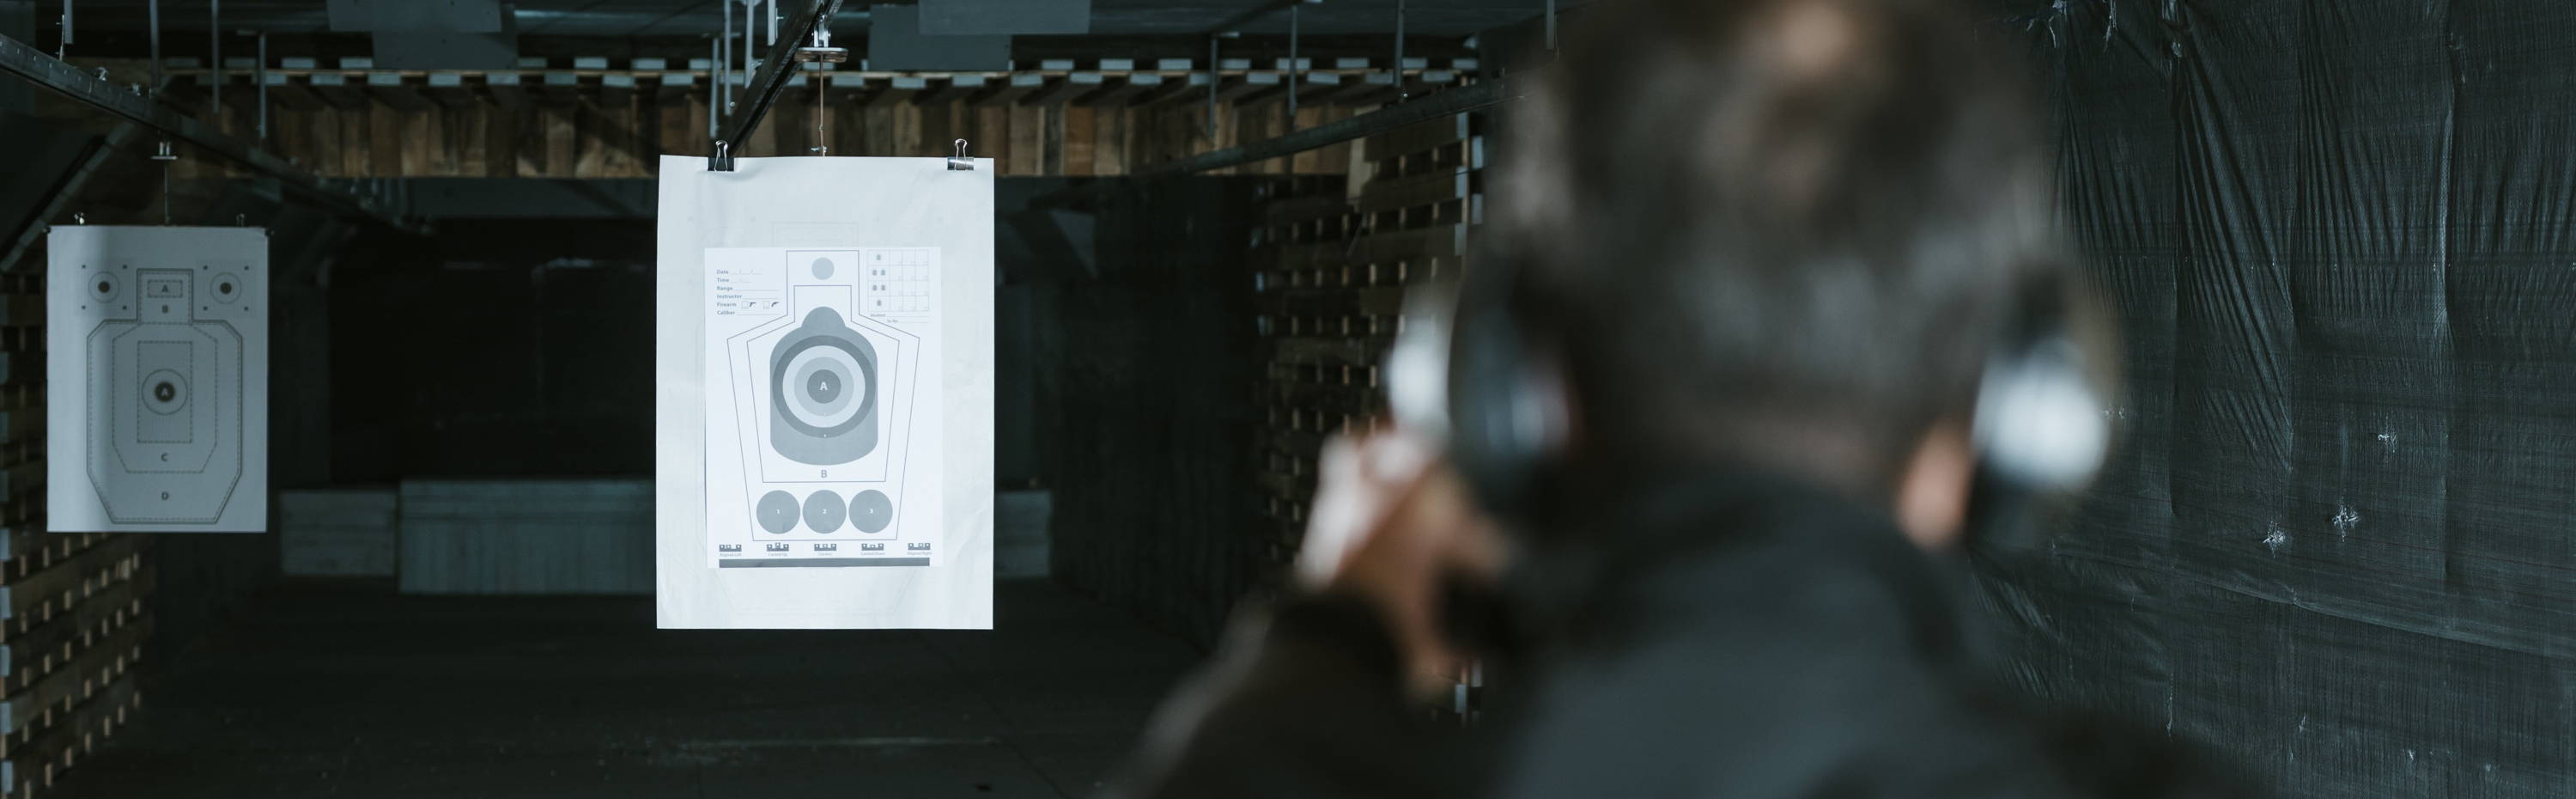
1472,370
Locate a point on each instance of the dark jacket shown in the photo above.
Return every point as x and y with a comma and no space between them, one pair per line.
1723,636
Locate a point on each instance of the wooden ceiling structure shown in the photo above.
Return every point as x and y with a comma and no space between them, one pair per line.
594,118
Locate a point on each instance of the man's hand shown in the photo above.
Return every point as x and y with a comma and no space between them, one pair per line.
1391,522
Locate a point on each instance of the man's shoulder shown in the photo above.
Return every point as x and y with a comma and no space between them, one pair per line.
1692,715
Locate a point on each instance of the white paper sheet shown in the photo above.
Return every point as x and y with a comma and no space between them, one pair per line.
156,379
825,394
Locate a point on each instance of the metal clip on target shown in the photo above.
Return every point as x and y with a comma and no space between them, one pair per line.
959,162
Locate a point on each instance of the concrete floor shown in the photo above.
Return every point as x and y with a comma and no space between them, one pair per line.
315,693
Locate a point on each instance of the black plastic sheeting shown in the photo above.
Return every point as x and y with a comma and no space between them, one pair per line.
2338,540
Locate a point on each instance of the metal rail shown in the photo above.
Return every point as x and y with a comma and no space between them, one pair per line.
769,82
52,73
1482,94
63,192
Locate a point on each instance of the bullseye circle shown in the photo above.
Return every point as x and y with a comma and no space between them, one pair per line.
226,288
103,287
823,385
165,392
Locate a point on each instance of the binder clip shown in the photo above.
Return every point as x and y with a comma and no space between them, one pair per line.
959,162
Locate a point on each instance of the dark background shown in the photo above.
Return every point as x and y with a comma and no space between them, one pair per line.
2334,539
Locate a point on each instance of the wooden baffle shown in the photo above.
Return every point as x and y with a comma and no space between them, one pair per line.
1331,266
73,618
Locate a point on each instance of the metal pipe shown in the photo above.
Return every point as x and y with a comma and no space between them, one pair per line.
720,100
152,14
69,188
772,6
215,45
61,49
259,81
1296,69
1212,82
822,131
1400,93
715,76
749,67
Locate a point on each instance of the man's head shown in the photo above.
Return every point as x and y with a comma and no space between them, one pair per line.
1780,231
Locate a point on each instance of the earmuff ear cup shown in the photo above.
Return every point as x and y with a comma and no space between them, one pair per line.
1503,422
2039,421
2042,428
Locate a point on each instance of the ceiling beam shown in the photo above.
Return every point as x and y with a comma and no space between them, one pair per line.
44,70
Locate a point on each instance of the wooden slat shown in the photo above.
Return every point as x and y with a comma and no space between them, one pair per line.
1235,87
33,599
506,89
1111,141
559,88
1028,125
35,764
391,90
48,647
898,91
1416,190
951,89
1010,90
336,91
1192,86
1118,90
1418,137
101,660
449,91
1080,139
617,91
673,87
1063,90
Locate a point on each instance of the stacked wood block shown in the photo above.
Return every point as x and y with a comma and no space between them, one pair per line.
72,616
1107,117
1331,269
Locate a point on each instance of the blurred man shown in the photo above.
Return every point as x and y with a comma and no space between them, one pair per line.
1752,260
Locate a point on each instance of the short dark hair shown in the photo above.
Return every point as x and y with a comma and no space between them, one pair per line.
1790,229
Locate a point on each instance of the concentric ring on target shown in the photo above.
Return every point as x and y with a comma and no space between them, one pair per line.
825,386
165,392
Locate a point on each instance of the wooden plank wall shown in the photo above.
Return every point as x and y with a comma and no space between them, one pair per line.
1331,271
600,123
72,615
588,139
